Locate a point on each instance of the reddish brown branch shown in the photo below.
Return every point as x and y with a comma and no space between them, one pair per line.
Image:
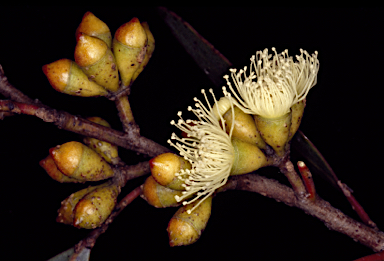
356,205
135,171
374,257
130,140
11,92
125,114
308,181
333,218
125,173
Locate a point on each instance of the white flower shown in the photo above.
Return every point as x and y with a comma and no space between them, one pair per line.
207,147
273,86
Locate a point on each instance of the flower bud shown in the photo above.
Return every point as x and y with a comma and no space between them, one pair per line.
93,26
149,52
66,76
184,228
97,61
76,160
95,207
244,127
165,167
248,157
107,150
65,212
158,195
129,47
297,115
50,167
275,131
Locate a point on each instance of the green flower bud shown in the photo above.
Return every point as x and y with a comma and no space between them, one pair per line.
66,76
165,169
185,228
95,207
78,161
107,150
159,196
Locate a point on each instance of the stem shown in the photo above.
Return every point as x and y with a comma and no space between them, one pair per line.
356,205
287,168
131,140
11,92
308,181
125,113
125,173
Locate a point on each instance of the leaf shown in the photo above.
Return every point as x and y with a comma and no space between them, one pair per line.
66,255
313,158
215,65
210,60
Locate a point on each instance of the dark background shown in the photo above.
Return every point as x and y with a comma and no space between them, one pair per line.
342,118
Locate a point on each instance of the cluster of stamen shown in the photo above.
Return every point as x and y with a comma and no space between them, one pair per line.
207,147
273,86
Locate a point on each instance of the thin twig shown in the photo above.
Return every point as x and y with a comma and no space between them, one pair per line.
11,92
125,113
287,168
130,140
356,205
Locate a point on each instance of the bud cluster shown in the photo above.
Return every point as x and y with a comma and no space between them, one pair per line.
99,58
75,162
103,65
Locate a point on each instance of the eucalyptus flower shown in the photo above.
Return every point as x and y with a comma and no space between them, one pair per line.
273,85
207,147
273,88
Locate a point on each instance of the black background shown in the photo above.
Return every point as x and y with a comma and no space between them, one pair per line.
343,119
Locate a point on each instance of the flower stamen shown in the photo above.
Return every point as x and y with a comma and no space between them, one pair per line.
273,86
207,147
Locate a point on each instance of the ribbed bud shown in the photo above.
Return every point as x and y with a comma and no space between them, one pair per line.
297,115
184,228
65,212
78,161
275,131
149,51
97,61
158,195
248,157
93,26
50,167
67,77
244,127
107,150
165,167
95,207
129,48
